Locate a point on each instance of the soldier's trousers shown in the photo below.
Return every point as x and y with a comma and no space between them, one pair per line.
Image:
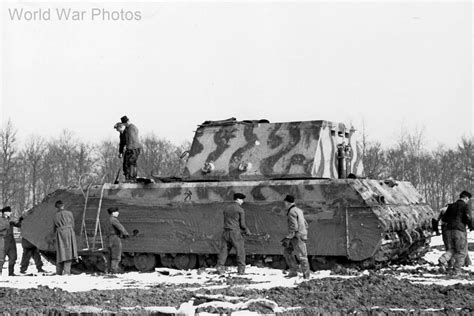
296,250
456,248
114,246
130,159
9,249
232,238
30,251
63,267
467,260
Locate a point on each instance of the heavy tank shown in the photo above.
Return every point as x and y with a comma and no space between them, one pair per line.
177,221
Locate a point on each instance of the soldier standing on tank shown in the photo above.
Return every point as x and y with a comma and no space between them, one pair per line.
295,242
119,127
456,217
66,246
114,232
9,241
132,149
234,221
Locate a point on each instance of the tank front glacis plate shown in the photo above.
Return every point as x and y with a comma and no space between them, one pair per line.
256,151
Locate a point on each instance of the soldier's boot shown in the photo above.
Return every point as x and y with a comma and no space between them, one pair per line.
114,269
133,173
220,269
11,270
292,274
305,268
241,270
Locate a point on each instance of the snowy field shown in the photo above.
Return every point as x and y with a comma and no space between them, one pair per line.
261,278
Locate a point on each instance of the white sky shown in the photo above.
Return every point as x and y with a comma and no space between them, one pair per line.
395,65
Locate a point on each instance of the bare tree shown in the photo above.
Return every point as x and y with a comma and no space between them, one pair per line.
34,153
8,161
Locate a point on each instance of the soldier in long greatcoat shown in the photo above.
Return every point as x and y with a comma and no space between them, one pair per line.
66,246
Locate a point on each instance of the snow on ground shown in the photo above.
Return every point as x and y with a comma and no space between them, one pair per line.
262,278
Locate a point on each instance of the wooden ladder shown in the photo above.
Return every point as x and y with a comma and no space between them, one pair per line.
92,241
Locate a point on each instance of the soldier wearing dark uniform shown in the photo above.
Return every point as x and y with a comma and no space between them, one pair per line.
4,227
121,128
132,149
295,242
234,221
66,246
9,241
30,251
114,231
456,217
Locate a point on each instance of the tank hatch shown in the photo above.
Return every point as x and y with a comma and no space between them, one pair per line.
256,150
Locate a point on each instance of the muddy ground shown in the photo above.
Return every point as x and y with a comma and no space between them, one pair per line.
376,291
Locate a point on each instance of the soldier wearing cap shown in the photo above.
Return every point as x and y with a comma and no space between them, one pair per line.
119,127
7,240
132,149
456,217
114,232
234,221
295,242
66,246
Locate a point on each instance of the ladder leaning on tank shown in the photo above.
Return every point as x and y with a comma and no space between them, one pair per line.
97,236
94,253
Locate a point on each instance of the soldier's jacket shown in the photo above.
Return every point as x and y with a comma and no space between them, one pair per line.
457,216
297,225
114,228
234,217
122,143
131,137
4,227
9,234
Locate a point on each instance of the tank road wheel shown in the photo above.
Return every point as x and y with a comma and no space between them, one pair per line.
185,262
144,262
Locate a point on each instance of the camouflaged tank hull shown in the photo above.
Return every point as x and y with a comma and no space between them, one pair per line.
357,219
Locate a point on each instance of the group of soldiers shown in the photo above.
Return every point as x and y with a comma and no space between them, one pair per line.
294,243
66,245
8,245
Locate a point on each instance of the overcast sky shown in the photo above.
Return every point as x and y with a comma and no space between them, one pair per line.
395,65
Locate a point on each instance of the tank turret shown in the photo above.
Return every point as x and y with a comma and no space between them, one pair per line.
259,150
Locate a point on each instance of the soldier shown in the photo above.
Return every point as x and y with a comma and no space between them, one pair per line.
119,127
66,246
9,241
114,231
132,149
30,251
295,242
467,261
234,221
456,217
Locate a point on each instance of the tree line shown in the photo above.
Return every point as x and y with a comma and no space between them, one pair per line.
38,166
31,170
439,175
